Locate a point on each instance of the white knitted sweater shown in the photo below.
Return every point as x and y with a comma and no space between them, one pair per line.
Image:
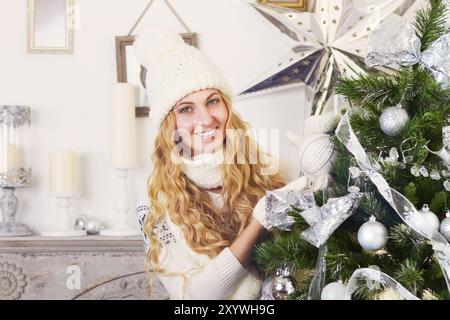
222,277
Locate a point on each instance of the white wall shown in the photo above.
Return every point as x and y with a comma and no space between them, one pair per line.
68,94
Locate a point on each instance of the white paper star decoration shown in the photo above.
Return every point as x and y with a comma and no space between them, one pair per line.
327,44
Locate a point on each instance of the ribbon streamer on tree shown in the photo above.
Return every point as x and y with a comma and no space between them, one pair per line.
402,206
332,215
372,276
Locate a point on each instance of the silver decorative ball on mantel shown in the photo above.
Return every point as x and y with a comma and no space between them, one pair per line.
80,222
91,225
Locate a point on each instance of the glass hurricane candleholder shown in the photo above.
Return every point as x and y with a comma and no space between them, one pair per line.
14,171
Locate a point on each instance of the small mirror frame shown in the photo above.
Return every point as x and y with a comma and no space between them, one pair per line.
31,48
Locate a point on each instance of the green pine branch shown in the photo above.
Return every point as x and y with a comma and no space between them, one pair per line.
287,248
430,23
378,92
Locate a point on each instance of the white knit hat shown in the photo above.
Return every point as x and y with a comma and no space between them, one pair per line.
174,70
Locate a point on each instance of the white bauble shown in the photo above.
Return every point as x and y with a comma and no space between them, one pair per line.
424,221
316,154
372,235
445,227
393,120
334,291
430,217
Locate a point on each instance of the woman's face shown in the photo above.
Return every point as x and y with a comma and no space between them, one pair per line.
200,121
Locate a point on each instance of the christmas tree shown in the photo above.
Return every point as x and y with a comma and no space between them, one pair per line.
400,121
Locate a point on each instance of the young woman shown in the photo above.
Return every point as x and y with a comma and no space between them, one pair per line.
206,204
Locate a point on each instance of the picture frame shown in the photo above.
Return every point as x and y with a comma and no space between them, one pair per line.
50,26
301,5
129,70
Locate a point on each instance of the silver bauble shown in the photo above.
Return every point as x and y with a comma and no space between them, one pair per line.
445,227
393,120
372,235
431,218
93,227
424,222
334,291
283,284
80,222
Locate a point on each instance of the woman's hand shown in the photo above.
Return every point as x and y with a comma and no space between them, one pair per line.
259,212
244,243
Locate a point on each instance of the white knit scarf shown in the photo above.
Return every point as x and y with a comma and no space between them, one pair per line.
205,170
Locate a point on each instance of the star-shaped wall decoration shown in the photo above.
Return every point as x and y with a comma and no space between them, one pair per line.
327,44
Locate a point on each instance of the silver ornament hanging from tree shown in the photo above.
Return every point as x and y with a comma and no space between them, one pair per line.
393,120
283,284
334,291
444,229
430,217
372,235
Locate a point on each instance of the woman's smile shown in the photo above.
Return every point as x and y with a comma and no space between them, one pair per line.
208,135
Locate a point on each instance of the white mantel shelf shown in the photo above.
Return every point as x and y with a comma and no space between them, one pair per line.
71,244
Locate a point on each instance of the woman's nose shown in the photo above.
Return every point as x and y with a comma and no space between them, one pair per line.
205,117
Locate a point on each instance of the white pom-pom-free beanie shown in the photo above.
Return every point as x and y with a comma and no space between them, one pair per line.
174,70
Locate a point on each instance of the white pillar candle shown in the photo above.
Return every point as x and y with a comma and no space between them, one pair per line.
123,125
63,172
11,157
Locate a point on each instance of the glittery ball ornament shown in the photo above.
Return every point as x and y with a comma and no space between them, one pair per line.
393,120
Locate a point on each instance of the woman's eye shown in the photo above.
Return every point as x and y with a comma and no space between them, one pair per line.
213,101
185,109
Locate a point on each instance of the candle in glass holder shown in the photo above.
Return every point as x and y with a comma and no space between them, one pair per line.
123,125
10,157
63,172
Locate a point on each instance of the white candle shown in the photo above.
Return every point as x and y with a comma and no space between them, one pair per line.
63,172
10,157
123,125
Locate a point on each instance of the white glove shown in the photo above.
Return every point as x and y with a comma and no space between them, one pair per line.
259,212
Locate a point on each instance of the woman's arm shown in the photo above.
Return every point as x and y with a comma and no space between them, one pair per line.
244,243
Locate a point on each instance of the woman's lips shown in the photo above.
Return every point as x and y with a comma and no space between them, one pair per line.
207,134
